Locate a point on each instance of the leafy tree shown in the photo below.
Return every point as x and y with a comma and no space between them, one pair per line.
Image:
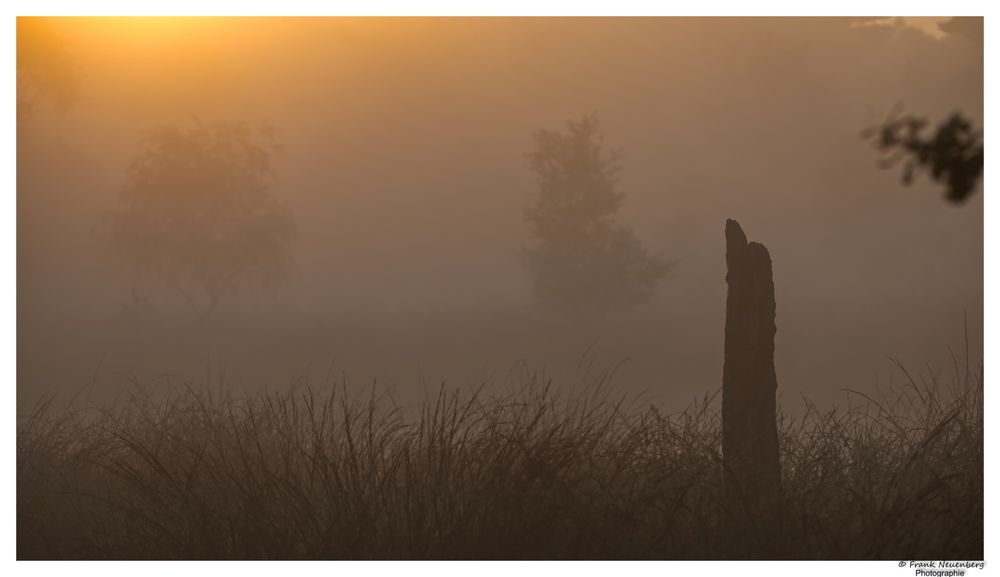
44,67
953,154
196,213
581,259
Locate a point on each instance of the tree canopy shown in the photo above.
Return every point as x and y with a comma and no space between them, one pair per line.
197,214
581,259
952,155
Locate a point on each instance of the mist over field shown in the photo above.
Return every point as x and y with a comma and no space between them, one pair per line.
402,164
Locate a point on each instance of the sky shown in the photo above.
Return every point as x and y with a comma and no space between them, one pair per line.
402,161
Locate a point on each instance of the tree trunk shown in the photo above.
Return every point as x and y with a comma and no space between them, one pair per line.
749,428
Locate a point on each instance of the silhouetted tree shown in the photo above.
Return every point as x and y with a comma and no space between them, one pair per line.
44,67
582,260
953,154
197,215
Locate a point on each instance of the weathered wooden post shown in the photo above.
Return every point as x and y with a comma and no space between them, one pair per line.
749,429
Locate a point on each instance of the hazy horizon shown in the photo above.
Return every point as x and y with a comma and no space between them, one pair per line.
402,162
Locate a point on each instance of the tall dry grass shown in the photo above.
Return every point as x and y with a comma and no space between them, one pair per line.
529,475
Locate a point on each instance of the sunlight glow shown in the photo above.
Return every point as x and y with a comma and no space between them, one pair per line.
152,32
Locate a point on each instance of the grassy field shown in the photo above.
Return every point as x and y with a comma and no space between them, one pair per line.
533,474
